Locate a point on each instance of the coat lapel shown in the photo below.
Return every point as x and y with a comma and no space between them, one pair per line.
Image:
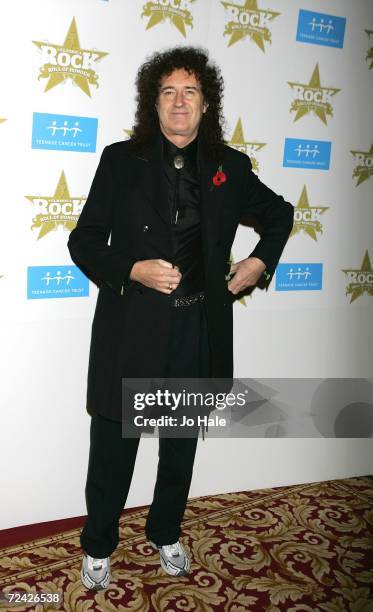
153,178
211,200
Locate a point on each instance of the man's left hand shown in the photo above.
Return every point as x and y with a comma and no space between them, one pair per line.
247,273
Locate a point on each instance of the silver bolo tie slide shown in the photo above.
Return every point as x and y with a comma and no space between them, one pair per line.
178,164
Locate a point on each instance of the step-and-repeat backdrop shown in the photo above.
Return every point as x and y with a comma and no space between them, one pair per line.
298,101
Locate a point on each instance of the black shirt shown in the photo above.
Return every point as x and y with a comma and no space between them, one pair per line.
184,205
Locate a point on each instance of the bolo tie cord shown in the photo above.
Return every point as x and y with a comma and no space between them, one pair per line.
175,212
179,165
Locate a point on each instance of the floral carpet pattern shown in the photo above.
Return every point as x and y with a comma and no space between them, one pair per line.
301,548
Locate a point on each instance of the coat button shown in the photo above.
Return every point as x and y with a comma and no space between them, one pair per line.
145,228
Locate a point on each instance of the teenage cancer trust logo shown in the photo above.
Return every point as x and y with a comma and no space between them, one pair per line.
245,146
61,209
56,282
248,20
321,29
312,97
360,280
299,277
64,132
307,218
69,61
305,153
364,168
178,12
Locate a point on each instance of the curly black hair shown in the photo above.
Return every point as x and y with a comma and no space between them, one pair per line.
194,60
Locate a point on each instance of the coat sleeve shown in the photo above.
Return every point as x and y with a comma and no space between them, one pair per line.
275,216
88,242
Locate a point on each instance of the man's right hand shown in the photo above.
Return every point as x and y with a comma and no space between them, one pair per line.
157,274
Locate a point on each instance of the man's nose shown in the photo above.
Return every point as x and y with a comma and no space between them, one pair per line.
179,99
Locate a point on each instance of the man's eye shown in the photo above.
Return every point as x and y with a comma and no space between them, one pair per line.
190,93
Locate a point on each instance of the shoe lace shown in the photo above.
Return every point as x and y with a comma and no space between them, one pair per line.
173,550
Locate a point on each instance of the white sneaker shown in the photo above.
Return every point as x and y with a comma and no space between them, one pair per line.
174,558
95,573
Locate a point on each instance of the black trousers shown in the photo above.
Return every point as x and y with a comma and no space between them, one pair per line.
112,458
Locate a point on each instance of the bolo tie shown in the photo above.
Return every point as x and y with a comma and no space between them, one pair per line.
178,164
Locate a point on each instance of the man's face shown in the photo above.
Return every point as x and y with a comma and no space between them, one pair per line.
180,106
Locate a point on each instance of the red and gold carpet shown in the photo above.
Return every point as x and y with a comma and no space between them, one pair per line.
301,548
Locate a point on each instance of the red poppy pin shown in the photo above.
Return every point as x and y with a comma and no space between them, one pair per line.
219,177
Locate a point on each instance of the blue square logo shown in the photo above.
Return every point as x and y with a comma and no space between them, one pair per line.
321,29
299,277
45,282
310,154
64,133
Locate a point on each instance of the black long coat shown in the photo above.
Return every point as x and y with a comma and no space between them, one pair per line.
128,201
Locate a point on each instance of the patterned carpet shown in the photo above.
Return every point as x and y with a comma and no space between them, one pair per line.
302,548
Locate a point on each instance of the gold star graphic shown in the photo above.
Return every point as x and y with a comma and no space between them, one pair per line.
258,32
179,17
59,209
79,68
361,280
306,217
362,171
249,147
321,105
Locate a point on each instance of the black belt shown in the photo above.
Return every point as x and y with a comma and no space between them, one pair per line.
188,300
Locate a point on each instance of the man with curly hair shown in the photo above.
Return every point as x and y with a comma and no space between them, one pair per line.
170,200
